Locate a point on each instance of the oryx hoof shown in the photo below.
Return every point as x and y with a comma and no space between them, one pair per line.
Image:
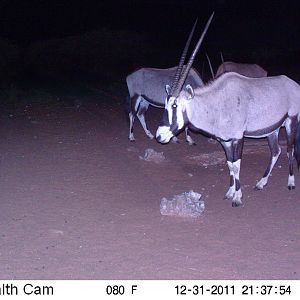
291,187
258,188
230,194
212,141
261,184
237,199
236,203
150,135
191,143
175,140
228,197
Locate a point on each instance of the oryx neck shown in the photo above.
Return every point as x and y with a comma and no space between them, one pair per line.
202,114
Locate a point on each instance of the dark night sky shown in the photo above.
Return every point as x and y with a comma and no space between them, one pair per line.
238,26
274,22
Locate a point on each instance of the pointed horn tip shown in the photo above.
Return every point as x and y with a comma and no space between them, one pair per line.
182,59
189,64
194,26
211,17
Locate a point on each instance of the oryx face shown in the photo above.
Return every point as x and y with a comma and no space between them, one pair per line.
175,115
174,118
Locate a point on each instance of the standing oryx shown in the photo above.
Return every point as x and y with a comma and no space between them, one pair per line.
249,70
146,87
233,107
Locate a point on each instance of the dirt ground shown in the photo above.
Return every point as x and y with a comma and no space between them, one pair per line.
77,202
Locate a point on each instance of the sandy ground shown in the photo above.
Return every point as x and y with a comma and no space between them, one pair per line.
77,202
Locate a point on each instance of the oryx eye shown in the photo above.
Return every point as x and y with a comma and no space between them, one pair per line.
174,105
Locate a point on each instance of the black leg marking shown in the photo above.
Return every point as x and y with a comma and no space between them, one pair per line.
227,146
237,149
237,185
233,150
291,130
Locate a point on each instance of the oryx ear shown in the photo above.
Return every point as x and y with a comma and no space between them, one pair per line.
189,89
168,89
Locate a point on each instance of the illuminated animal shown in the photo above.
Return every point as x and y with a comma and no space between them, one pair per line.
146,87
249,70
233,107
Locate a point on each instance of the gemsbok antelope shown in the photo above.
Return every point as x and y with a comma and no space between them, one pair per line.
233,107
249,70
146,87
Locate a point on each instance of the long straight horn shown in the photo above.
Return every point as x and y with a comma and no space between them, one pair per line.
191,60
182,59
210,66
222,58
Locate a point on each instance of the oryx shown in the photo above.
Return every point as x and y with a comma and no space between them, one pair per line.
249,70
146,87
233,107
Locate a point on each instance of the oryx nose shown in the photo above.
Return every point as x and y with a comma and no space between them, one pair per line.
158,138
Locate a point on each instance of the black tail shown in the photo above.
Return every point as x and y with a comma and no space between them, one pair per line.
297,145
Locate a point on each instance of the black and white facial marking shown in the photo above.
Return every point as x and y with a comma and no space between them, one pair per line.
174,117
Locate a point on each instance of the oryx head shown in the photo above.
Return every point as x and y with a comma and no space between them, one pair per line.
174,117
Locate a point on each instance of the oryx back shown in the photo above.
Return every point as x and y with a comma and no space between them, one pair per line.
249,70
149,83
244,106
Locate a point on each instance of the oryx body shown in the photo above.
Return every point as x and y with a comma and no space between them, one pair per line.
249,70
146,87
233,107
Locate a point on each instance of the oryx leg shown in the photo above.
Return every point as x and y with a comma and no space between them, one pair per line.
131,121
143,107
138,108
233,150
291,128
134,104
175,140
275,152
188,138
